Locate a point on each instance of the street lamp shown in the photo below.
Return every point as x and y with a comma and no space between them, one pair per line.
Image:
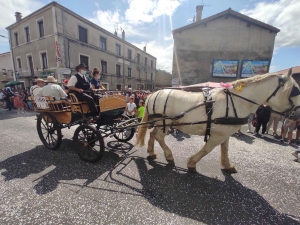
11,55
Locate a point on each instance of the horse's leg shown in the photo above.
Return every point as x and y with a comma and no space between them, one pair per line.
228,167
207,148
160,137
150,149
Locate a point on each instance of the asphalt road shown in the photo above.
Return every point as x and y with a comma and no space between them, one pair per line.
40,186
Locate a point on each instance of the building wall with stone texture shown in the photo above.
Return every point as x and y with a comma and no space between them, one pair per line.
225,38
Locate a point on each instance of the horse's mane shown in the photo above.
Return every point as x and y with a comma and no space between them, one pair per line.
252,79
287,87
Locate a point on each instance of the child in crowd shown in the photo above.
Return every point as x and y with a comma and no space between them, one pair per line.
18,102
141,111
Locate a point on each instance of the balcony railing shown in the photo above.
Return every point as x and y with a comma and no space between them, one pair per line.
33,72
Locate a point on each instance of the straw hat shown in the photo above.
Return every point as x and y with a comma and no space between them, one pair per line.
39,79
51,79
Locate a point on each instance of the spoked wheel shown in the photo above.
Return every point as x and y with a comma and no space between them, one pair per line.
49,131
124,135
89,143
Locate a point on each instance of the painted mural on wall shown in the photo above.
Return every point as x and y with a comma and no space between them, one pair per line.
251,68
225,68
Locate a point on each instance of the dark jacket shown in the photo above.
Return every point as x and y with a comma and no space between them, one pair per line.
263,113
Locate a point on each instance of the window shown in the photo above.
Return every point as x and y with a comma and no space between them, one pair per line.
118,49
30,63
145,75
146,61
151,76
138,58
129,72
129,54
27,37
41,28
44,60
103,67
84,59
16,38
151,63
118,70
103,43
82,34
19,63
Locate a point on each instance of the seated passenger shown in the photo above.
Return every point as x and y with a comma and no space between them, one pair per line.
95,82
52,89
78,84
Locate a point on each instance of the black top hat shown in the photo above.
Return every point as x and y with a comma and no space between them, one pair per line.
81,65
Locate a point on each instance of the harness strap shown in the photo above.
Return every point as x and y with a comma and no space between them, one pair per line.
153,108
209,110
234,110
227,107
165,106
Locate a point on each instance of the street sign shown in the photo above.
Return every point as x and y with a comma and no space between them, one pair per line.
63,71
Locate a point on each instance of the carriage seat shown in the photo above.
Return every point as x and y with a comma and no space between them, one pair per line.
53,104
74,99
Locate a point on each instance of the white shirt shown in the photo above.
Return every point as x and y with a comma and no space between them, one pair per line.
34,90
73,80
130,107
52,90
1,95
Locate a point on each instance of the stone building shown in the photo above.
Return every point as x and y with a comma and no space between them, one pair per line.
222,48
55,37
6,73
163,79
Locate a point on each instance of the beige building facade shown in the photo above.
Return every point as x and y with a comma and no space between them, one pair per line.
163,79
227,41
6,72
55,37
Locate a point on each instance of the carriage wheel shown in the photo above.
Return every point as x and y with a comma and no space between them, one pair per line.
124,135
49,131
89,143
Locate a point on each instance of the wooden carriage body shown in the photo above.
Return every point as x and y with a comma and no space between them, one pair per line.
67,112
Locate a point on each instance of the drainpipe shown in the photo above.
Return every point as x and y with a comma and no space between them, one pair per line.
11,54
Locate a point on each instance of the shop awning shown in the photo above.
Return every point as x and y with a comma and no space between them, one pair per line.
12,83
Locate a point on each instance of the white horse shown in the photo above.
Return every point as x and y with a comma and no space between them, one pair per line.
258,89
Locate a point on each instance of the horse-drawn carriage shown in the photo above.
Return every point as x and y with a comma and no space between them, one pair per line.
88,137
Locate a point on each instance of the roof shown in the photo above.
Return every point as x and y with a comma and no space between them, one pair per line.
80,17
229,12
4,53
295,70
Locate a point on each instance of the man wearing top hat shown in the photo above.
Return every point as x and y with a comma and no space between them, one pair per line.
79,83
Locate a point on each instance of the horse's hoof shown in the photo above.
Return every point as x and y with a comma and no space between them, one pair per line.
230,170
192,170
171,162
151,157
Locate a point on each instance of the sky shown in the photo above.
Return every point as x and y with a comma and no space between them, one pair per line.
150,22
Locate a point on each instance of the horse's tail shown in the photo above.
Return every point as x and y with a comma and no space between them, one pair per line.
140,140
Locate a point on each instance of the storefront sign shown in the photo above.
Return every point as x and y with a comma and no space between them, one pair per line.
225,68
63,70
175,82
251,68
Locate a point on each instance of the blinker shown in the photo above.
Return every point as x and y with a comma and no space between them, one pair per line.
295,92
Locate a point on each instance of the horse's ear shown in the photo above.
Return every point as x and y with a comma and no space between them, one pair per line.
290,72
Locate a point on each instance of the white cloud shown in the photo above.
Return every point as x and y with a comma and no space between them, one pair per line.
7,17
283,14
163,54
147,10
112,20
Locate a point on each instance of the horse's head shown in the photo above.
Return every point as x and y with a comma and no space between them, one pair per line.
286,97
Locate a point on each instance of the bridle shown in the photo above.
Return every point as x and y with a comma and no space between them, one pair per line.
290,113
295,92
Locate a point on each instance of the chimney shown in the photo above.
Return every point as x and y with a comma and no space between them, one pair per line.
116,33
18,16
123,35
199,9
144,48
